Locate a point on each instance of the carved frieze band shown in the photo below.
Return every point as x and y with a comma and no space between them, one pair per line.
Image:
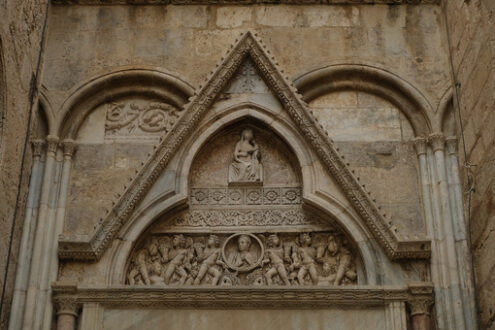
235,297
195,110
240,2
241,218
246,196
284,259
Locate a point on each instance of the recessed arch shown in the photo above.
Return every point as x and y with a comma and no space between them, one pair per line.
365,78
126,81
156,207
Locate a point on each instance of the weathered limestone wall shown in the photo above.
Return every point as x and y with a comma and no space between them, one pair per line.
472,35
20,36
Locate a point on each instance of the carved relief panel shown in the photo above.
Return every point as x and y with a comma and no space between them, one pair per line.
245,224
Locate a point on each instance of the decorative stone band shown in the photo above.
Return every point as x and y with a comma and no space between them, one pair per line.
238,297
37,146
242,2
248,46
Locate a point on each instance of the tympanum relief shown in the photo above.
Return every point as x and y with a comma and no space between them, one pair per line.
223,259
245,224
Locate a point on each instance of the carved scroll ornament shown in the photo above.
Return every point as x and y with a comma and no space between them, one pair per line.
318,258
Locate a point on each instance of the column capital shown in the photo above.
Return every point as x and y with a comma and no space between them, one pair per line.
421,298
451,145
66,306
420,144
37,145
69,147
52,143
437,141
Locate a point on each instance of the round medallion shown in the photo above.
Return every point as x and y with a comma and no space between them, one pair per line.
242,252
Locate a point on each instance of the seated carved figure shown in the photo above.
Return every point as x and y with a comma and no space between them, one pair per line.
142,264
211,257
246,166
341,266
274,256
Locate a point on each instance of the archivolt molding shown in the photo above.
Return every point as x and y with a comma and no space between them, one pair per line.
370,79
201,102
108,87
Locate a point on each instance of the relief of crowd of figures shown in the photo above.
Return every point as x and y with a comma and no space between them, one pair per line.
286,259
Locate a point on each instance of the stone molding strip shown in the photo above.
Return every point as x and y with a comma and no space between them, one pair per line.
240,297
394,246
244,2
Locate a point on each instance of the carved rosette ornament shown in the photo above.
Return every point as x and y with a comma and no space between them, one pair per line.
253,259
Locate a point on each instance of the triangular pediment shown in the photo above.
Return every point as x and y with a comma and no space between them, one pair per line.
249,49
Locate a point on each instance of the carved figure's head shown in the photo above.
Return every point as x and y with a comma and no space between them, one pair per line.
326,269
247,135
305,239
244,243
153,246
179,241
273,240
213,241
333,244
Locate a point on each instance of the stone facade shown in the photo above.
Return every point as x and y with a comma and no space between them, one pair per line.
21,29
192,156
472,29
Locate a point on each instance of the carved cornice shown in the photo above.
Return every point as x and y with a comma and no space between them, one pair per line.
37,146
244,2
437,141
235,297
199,104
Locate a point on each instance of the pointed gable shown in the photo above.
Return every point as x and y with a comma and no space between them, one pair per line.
93,247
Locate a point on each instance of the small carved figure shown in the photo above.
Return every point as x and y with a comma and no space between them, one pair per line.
274,256
211,259
179,257
304,259
246,166
345,265
139,273
242,256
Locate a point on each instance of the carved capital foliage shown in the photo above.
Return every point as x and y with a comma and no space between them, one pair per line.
52,144
194,111
69,147
37,146
421,298
420,144
437,141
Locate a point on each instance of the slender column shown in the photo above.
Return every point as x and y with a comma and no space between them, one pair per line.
67,311
68,147
460,234
451,286
41,230
26,247
420,302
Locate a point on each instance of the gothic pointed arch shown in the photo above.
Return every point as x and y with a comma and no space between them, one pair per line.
248,47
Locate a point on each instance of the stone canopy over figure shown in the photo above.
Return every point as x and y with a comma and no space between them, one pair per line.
246,166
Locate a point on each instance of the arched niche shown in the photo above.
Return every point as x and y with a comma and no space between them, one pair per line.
201,244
